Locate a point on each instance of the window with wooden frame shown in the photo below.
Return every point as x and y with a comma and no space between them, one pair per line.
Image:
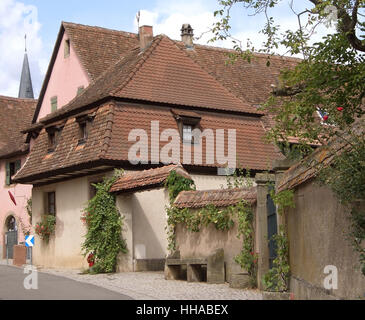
53,136
84,122
11,168
51,203
187,121
67,48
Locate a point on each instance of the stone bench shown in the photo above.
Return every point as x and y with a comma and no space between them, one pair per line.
210,269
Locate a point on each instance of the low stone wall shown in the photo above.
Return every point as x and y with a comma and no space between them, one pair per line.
202,244
318,229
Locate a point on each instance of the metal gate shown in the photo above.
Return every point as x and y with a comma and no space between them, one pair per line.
11,241
272,229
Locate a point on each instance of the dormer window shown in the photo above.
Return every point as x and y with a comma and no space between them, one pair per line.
187,133
84,127
67,48
53,136
187,121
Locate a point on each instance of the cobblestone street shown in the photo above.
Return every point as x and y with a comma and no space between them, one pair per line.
153,286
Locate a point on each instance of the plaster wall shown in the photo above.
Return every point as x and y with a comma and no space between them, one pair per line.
21,194
317,231
66,77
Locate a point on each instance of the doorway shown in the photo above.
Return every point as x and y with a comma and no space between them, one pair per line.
11,236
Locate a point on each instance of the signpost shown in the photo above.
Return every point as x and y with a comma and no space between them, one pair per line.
29,243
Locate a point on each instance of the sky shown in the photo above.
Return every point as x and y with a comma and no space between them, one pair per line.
40,20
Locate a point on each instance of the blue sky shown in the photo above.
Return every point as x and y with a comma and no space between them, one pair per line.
41,20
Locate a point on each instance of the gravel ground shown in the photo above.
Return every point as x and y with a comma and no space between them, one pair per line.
153,286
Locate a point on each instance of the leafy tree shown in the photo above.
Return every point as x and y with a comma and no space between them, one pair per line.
328,80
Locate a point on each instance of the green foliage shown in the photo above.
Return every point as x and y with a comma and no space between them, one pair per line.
221,218
346,178
28,207
176,183
277,278
46,227
104,227
283,199
239,179
247,258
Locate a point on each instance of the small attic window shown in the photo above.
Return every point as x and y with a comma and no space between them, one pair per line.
53,136
67,48
84,127
187,121
187,135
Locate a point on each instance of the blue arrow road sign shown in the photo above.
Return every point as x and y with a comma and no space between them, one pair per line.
29,241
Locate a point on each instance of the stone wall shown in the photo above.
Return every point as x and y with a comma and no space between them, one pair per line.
202,244
317,230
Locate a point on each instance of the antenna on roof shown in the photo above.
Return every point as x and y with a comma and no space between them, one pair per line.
138,16
25,41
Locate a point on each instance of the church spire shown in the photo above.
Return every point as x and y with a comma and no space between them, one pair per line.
26,88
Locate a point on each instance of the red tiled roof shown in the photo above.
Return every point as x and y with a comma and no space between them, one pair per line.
15,115
309,167
108,139
219,197
146,178
163,74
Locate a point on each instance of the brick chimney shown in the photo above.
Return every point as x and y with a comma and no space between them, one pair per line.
145,36
187,35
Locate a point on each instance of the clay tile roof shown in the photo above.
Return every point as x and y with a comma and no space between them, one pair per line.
308,168
250,82
164,74
99,48
219,197
15,115
146,179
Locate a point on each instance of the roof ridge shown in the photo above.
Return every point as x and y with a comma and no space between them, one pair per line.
218,82
100,29
141,60
257,54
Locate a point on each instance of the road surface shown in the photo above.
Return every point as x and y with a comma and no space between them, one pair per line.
50,287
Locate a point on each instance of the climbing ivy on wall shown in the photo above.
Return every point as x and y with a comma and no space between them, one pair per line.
221,218
247,258
277,278
104,227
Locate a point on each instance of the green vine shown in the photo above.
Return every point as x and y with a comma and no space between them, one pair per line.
277,278
346,177
176,183
221,218
247,258
283,199
104,227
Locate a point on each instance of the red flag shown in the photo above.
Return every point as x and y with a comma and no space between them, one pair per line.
12,197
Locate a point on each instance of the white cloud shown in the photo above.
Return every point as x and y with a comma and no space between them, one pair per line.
167,18
16,20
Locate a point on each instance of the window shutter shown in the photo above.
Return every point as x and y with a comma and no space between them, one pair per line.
17,165
53,104
7,167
